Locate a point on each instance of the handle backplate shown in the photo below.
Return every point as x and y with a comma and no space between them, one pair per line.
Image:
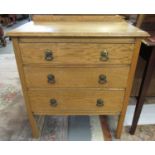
53,102
100,103
104,55
50,78
102,79
48,55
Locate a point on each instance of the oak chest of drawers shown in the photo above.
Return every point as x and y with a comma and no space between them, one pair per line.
76,68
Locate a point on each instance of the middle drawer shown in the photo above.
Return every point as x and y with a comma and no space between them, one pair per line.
107,77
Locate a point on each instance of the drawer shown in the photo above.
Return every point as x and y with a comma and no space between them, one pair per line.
106,77
76,53
76,101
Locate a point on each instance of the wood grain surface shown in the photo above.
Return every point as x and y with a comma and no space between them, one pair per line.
105,40
76,29
33,123
129,87
78,17
37,77
76,53
75,101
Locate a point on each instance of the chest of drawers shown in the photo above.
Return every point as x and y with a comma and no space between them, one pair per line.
76,68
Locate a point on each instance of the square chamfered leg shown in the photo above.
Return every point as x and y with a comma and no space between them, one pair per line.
128,89
32,120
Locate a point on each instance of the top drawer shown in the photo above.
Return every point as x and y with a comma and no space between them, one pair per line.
76,53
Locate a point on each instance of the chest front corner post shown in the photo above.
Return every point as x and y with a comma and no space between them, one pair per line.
128,88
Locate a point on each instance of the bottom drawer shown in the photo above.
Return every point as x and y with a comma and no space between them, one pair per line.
76,101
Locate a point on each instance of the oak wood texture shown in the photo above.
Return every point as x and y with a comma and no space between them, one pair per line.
113,40
75,101
129,87
33,123
76,53
75,18
37,77
77,29
76,65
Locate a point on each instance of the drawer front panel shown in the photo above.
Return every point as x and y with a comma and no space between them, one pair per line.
107,77
76,53
83,100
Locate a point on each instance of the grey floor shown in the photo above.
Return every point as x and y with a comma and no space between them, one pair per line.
79,128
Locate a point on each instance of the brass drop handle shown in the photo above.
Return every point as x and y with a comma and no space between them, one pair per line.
100,103
51,78
48,55
53,102
102,79
104,55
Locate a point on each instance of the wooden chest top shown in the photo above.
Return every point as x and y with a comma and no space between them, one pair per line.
78,29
